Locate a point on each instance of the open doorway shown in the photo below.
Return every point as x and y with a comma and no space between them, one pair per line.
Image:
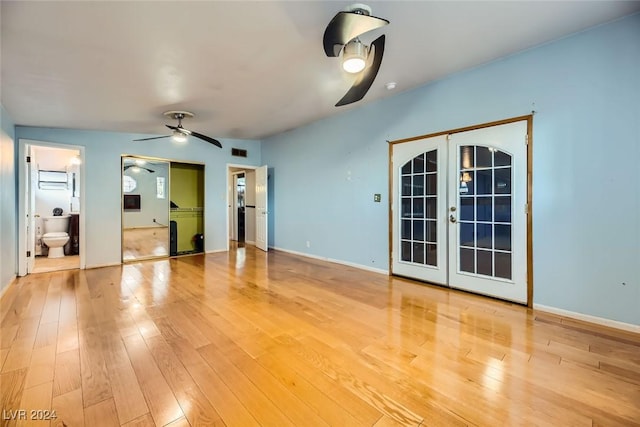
51,204
247,215
242,206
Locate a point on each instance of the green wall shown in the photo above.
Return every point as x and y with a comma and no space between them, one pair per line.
187,191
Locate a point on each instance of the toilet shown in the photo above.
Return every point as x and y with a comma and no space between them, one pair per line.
55,234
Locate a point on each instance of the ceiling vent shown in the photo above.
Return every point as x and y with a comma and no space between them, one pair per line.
237,152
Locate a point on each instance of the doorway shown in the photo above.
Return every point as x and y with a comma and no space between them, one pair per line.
247,215
51,199
240,227
460,214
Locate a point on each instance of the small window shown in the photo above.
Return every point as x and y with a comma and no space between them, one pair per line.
160,187
128,184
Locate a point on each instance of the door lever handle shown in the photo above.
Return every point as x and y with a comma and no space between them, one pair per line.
452,219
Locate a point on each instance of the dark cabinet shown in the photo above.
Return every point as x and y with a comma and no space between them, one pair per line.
74,234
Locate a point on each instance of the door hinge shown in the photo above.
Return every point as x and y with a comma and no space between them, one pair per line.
28,254
526,208
28,159
526,139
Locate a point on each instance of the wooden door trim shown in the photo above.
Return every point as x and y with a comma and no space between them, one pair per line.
529,161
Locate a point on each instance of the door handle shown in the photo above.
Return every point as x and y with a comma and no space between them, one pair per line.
452,219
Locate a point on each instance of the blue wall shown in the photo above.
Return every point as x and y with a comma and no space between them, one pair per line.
586,197
103,182
8,213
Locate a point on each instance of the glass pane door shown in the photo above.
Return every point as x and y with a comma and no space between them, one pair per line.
487,211
459,210
419,213
485,202
418,209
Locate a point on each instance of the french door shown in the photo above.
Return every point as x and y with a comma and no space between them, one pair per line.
460,210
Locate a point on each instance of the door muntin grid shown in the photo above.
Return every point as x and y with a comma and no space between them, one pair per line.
485,203
418,210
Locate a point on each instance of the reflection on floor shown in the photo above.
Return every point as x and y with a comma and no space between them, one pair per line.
43,264
140,243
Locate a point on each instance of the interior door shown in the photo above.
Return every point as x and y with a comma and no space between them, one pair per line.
488,219
420,210
459,210
262,214
32,179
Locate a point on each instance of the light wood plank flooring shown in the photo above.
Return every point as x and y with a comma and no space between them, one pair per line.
247,338
42,264
147,242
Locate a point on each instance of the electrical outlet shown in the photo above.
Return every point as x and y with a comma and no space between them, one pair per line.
308,244
377,198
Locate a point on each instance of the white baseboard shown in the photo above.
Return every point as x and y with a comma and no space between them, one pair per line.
215,251
337,261
588,318
88,267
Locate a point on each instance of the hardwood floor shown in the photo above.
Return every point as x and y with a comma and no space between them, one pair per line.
247,338
42,264
142,243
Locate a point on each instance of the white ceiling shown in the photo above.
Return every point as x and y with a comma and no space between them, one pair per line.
246,69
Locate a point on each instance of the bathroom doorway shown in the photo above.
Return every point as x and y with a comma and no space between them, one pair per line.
50,198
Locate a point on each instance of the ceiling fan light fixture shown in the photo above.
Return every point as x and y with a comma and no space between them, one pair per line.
354,56
179,136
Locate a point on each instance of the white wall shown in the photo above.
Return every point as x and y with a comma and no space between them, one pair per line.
586,196
102,152
8,212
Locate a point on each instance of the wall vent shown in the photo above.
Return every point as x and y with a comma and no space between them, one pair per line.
238,152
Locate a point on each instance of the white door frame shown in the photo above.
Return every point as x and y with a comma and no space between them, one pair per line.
24,184
230,195
529,211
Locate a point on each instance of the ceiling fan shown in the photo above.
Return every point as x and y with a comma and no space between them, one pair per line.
342,35
180,134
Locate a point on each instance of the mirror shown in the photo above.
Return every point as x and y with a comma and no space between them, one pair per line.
145,208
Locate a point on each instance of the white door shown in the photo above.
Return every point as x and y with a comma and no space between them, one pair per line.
459,210
262,214
32,179
488,219
420,210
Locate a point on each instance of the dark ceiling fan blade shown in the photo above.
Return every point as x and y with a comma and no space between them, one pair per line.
196,134
179,129
346,26
366,77
155,137
206,138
